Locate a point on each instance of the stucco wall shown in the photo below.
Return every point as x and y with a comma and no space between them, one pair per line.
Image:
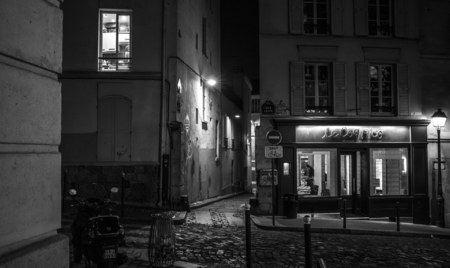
79,125
82,22
436,80
30,116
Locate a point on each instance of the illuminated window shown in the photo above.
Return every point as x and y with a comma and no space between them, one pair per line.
317,88
316,172
380,17
316,16
115,41
389,173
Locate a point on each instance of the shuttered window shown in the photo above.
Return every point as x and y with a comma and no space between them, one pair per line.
318,88
382,89
114,129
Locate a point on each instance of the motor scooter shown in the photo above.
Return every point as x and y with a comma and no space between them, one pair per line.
96,233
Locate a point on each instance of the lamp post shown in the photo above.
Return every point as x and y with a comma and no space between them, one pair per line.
438,120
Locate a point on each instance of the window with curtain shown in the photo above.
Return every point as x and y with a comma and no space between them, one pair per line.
115,41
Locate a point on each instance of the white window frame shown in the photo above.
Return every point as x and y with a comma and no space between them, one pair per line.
101,59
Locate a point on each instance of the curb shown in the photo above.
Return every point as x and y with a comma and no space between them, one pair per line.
180,216
206,202
349,231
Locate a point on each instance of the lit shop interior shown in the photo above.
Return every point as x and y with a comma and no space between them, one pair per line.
372,168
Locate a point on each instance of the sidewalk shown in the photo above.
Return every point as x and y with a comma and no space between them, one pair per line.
332,223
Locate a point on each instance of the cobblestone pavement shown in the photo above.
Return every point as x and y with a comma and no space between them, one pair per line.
221,243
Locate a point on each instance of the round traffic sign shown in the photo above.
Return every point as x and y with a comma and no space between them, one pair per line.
274,137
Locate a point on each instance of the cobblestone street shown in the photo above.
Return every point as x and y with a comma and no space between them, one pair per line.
214,236
220,242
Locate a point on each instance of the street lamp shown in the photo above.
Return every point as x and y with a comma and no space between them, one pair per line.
438,120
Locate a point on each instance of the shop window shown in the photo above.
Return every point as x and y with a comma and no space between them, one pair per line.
381,89
316,172
316,17
389,172
115,41
317,88
380,17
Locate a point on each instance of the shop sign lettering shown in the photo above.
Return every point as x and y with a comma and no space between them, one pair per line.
352,134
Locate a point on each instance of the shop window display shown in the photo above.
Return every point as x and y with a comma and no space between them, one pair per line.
389,172
316,172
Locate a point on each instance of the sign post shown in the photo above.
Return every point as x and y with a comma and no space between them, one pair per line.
274,138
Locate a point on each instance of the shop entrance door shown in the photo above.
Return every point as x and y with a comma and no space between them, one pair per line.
350,180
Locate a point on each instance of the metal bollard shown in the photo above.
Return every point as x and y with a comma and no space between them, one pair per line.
397,208
248,238
307,233
122,195
345,213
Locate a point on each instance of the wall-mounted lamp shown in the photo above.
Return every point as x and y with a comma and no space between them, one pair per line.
211,82
237,116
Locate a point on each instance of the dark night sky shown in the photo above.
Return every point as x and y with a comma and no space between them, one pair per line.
239,38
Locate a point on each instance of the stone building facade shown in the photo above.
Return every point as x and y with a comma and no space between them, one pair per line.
137,104
352,76
30,133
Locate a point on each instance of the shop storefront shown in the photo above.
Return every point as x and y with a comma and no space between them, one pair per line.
374,165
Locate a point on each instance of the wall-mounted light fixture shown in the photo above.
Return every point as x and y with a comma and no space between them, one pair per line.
237,116
211,82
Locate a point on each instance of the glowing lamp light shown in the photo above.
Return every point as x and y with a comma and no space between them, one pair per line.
211,82
237,116
438,119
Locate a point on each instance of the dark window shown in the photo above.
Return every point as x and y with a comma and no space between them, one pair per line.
380,17
204,37
317,88
316,17
115,41
381,88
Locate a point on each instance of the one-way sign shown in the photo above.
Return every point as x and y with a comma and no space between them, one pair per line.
274,137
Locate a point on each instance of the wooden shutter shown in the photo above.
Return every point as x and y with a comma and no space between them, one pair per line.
337,17
114,129
296,16
339,86
297,73
361,17
406,18
403,89
105,129
400,18
122,129
363,87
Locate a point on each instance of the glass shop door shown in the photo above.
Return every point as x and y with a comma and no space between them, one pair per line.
350,180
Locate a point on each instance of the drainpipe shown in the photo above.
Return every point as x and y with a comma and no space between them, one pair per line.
163,88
